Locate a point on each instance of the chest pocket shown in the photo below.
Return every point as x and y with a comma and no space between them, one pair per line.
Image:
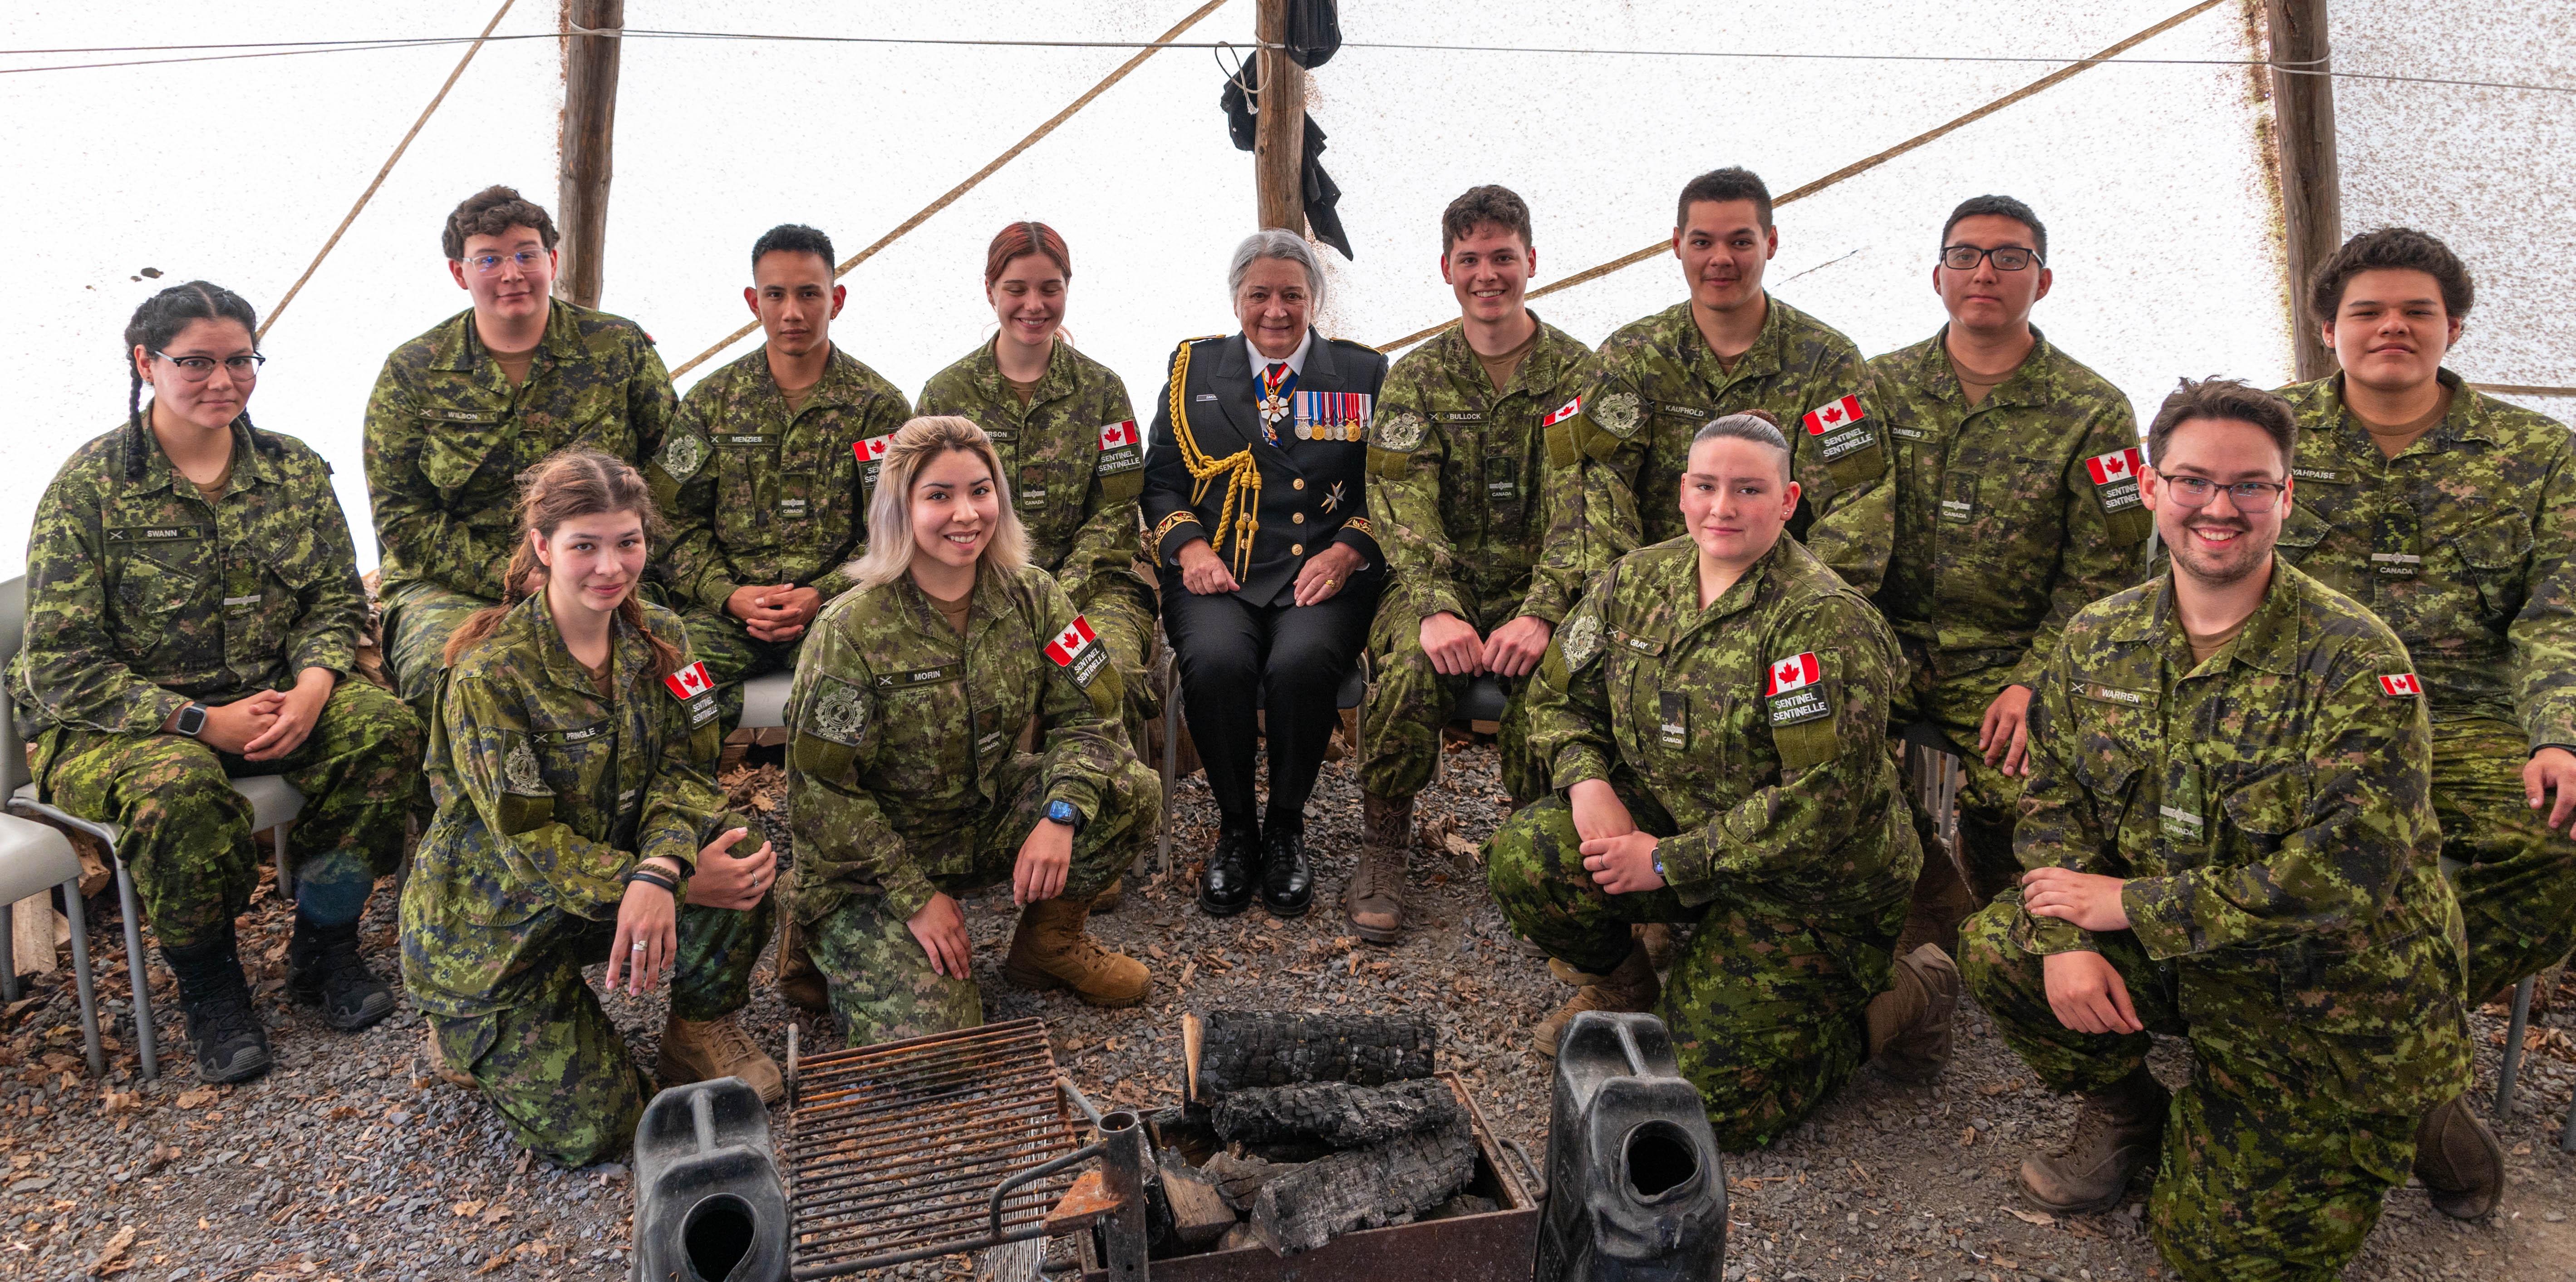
2494,553
455,442
1632,672
264,597
928,707
747,488
578,764
159,569
2109,764
2261,813
2301,531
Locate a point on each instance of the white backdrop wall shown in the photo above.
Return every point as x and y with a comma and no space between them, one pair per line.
2163,234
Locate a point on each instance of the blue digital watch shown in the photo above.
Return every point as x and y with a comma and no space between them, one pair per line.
1061,811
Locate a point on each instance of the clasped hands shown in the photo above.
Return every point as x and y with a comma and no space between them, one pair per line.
648,936
1456,650
774,614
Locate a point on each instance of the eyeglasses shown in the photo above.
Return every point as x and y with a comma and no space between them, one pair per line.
2007,258
486,264
2249,496
197,369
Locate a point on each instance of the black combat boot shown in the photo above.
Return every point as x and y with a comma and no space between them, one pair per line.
223,1029
322,965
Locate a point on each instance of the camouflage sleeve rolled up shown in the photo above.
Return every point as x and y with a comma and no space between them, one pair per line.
72,672
842,834
2104,552
489,738
413,522
1569,708
2062,824
2543,633
1403,493
883,415
1079,708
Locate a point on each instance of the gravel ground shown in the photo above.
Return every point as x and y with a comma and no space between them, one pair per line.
349,1160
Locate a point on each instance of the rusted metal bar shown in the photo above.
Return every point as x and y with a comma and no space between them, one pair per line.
1122,1170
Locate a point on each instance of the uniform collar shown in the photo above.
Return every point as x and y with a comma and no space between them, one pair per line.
838,388
2270,641
2022,387
1296,359
1537,370
247,465
460,346
1745,591
984,371
1761,358
628,652
2464,423
985,602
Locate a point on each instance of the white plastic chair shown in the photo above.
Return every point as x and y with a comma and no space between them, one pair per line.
764,701
33,858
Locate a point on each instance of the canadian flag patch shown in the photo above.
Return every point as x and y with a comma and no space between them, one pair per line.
1121,448
2401,683
2118,465
1078,651
689,682
1834,416
873,448
1113,435
1568,410
1791,673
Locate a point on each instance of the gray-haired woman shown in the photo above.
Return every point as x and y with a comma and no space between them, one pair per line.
1255,510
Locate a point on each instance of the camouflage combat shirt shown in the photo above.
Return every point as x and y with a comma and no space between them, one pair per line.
900,726
142,596
759,495
2272,810
448,437
2010,516
1073,454
1460,482
2461,543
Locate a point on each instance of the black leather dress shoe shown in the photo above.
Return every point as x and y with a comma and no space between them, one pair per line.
1232,868
1287,880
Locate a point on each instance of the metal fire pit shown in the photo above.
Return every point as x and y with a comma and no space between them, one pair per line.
925,1147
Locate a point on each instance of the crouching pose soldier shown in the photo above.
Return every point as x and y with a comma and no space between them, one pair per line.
192,609
906,778
578,821
1713,712
2230,838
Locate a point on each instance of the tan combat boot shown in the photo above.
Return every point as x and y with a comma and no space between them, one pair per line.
1663,944
1374,899
1052,950
439,1066
1110,899
702,1052
1631,988
2115,1134
1909,1024
2459,1160
799,980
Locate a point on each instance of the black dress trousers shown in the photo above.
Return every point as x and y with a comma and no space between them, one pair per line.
1285,661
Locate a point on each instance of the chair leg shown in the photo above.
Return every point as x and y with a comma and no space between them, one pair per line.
82,983
137,968
1171,753
8,952
285,875
2511,1067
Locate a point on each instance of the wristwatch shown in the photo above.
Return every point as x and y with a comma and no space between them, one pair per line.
1659,868
192,720
1061,811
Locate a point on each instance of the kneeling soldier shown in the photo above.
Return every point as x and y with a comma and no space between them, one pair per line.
1772,820
2230,838
905,776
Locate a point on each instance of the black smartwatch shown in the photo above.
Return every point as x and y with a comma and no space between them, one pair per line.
1061,811
192,720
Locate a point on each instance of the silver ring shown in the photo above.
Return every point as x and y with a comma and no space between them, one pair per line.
639,945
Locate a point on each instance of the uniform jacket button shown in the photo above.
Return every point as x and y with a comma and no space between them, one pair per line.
1298,518
1297,484
1296,549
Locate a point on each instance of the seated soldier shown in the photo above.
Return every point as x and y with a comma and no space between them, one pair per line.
765,472
905,779
462,412
573,764
192,613
1771,821
2230,838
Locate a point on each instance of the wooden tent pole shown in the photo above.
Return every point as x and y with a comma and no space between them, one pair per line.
1279,142
589,127
2311,179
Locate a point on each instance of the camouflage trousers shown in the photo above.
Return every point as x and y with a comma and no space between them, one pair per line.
1766,1010
555,1065
882,985
2255,1182
1987,796
186,834
419,618
733,655
2517,885
1408,704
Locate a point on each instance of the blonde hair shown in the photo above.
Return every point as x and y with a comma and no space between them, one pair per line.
568,485
915,444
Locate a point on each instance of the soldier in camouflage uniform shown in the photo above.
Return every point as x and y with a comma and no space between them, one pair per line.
765,472
2016,506
1459,479
462,412
1068,441
905,781
579,821
1770,820
1730,348
2452,515
192,616
2231,840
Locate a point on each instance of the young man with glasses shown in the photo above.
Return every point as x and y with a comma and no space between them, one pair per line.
2453,515
462,411
2016,506
2230,835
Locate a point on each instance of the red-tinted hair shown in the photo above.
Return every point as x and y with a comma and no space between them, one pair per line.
1021,239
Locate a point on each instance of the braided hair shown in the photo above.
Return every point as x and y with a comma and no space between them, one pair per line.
156,324
570,484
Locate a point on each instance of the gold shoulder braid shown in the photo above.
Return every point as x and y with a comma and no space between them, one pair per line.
1241,514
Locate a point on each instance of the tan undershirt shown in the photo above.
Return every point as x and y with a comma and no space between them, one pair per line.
1501,368
954,611
602,676
515,365
2393,438
796,396
2205,644
1974,385
214,489
1027,392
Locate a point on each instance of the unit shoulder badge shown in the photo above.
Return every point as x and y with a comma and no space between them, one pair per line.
1618,414
1400,432
519,773
1582,640
683,454
840,712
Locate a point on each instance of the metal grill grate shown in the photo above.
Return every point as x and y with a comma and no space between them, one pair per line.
894,1150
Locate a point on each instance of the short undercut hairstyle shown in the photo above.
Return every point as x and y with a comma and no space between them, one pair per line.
1999,207
793,238
2391,249
1486,206
2224,398
1735,182
1756,426
490,212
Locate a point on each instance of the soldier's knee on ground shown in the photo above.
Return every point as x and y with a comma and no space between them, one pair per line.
881,982
2245,1193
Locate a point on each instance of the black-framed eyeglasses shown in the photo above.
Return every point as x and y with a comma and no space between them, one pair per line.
197,369
2007,258
2248,496
486,264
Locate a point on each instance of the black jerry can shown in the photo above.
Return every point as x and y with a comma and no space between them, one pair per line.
709,1206
1636,1189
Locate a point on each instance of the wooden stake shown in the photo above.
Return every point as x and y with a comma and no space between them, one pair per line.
1191,1031
1279,132
589,127
2311,178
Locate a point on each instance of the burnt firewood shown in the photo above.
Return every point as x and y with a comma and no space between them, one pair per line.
1337,1113
1239,1048
1389,1183
1239,1179
1199,1213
